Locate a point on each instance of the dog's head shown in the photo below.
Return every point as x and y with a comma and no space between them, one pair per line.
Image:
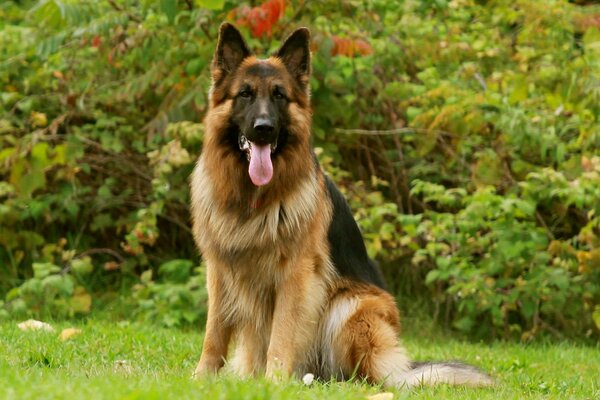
263,94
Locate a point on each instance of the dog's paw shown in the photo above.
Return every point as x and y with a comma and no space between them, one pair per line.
205,368
276,370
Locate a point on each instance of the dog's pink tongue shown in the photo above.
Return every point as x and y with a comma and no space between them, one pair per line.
261,168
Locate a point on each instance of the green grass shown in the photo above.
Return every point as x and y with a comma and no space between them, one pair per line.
135,361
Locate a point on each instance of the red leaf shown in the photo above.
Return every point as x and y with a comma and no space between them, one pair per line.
588,21
96,41
275,10
260,19
350,47
363,47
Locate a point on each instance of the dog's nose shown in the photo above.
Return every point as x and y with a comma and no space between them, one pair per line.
263,125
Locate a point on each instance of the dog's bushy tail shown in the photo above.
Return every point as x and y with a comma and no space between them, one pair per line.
433,373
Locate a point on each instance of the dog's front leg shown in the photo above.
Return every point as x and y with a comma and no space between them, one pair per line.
298,305
218,333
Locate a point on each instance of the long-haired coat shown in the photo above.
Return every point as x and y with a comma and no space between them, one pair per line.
288,276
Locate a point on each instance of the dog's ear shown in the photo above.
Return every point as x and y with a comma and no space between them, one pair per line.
231,51
295,54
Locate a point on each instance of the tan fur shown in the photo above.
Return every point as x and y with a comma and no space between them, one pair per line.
271,283
262,269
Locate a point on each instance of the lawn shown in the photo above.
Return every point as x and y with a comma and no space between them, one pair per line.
123,360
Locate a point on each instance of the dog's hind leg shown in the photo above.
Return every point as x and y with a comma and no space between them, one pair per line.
361,339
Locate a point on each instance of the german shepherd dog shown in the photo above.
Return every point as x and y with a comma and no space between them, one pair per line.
288,275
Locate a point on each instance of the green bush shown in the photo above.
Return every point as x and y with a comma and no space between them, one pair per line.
464,134
500,267
178,298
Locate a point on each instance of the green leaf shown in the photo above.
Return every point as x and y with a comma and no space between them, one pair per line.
169,7
81,302
464,324
63,285
432,276
146,276
39,154
442,262
42,270
412,113
176,270
211,4
101,221
71,207
46,12
591,39
82,266
528,308
195,66
519,90
596,316
6,153
6,189
32,181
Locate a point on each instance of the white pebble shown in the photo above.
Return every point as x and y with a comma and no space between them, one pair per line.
308,379
33,325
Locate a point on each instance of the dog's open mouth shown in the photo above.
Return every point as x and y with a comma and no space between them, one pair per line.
259,157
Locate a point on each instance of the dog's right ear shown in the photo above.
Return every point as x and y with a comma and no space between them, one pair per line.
231,51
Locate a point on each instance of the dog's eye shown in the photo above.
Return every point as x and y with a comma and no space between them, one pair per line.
245,94
278,95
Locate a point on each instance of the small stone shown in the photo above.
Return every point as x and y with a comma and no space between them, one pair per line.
381,396
68,333
34,325
308,379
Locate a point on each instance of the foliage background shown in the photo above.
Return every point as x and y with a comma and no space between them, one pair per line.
464,133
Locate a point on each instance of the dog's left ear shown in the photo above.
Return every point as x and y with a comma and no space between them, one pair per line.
231,50
295,54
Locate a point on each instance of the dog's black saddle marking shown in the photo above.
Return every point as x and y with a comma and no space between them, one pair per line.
347,247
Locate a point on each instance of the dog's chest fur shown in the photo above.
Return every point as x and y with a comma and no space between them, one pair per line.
267,227
255,248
